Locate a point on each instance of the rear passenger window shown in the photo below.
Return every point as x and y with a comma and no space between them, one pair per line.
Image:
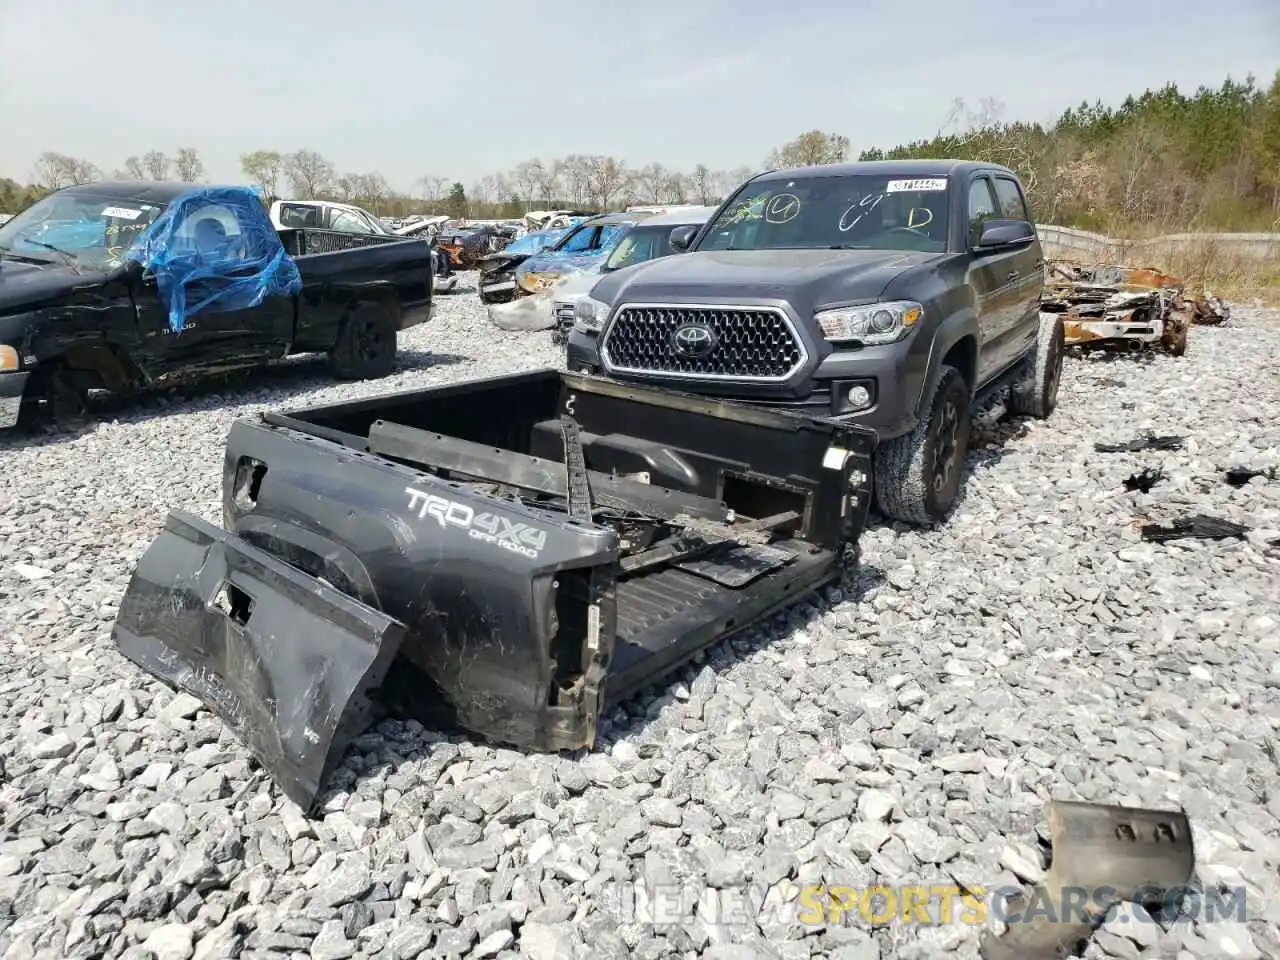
982,206
1012,206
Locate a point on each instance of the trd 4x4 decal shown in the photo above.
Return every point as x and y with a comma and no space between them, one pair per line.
489,527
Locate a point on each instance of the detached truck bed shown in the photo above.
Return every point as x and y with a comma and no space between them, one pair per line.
509,555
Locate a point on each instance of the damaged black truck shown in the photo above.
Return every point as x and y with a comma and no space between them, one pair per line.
135,285
509,556
901,295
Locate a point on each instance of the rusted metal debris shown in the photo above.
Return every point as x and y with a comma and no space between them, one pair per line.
1136,307
1102,855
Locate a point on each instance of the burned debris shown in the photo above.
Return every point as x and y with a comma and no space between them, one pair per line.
1196,527
1240,476
1108,305
1144,480
1143,441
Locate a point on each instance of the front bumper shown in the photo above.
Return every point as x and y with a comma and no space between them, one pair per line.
893,374
12,386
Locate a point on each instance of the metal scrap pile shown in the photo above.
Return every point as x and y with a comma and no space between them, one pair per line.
1135,307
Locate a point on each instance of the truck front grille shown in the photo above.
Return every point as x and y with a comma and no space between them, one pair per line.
703,342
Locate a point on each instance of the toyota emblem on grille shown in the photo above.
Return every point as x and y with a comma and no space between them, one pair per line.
693,340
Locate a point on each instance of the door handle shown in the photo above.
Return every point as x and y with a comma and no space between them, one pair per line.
1013,275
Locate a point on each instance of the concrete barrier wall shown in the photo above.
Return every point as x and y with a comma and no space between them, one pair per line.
1083,245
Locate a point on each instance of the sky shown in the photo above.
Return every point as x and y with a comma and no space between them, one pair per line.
463,88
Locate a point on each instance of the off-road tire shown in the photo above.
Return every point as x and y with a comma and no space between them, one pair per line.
53,398
1035,394
911,484
366,346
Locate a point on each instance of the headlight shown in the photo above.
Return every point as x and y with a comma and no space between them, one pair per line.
874,323
589,314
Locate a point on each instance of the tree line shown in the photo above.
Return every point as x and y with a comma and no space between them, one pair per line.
1162,159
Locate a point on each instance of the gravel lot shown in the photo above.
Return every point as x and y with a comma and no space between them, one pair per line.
907,729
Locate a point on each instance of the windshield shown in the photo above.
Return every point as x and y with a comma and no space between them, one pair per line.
864,212
638,245
93,232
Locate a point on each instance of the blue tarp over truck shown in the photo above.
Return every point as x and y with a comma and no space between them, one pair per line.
126,285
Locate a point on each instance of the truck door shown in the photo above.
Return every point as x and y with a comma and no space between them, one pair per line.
992,276
212,237
1026,265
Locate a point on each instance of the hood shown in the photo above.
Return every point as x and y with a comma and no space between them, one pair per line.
562,263
818,276
574,286
28,286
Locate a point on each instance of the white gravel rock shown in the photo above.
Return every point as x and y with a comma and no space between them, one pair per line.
906,727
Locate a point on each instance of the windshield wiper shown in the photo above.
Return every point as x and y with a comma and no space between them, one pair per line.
71,257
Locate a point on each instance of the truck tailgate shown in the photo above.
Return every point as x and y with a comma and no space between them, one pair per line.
224,621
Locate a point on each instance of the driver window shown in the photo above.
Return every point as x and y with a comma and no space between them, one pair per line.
211,230
347,222
582,240
982,206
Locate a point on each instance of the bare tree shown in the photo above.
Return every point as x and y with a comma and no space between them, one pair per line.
606,179
481,191
57,170
373,189
264,167
134,170
188,165
811,149
651,183
675,188
549,180
526,178
432,187
310,174
573,179
701,184
156,164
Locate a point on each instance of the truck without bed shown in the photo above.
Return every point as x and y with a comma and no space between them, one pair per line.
900,295
509,555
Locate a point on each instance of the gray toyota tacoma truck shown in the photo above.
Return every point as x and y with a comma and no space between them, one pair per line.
899,295
511,556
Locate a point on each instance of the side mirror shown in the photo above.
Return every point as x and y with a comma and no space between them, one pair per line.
682,237
997,234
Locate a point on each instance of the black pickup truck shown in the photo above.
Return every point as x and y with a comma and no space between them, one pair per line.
510,555
122,286
895,294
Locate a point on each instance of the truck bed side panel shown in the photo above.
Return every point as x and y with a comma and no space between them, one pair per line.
345,272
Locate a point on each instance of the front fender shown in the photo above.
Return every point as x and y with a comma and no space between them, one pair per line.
955,328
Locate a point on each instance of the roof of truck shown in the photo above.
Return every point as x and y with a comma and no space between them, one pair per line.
677,218
607,218
891,168
153,191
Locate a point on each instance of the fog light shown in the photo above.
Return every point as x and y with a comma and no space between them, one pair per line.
859,397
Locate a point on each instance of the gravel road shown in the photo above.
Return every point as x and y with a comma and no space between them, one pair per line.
905,730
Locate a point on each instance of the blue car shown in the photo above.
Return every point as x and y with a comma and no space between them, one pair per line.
584,247
497,270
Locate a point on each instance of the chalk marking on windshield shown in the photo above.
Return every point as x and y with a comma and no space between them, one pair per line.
783,208
911,218
929,184
861,206
121,213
